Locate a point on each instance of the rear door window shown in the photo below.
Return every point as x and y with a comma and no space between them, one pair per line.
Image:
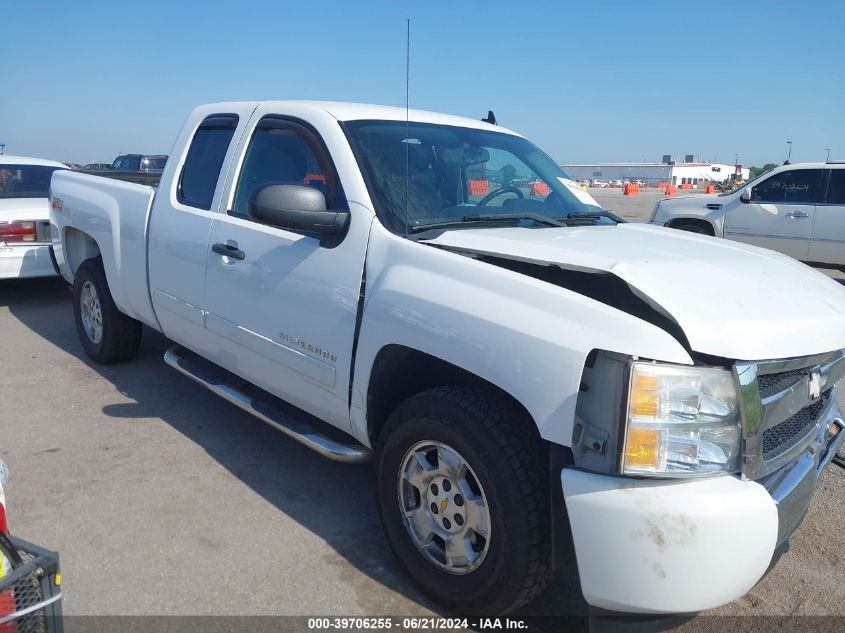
205,160
836,187
798,186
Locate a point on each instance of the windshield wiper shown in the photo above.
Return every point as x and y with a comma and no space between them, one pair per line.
595,216
502,218
514,217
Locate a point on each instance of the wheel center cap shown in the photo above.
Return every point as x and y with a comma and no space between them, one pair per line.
443,505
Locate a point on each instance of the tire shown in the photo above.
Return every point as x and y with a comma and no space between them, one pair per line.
119,335
692,227
509,463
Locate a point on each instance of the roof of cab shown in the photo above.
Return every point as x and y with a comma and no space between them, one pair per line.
27,160
345,111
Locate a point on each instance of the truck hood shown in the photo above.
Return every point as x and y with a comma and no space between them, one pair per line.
731,300
14,209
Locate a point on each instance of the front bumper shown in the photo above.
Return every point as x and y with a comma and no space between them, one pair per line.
20,261
664,546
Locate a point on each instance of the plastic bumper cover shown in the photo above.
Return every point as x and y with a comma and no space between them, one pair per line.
662,546
20,261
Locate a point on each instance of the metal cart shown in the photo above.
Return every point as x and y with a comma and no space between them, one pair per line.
30,593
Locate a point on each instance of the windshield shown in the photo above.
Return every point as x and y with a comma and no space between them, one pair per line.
25,181
454,173
738,184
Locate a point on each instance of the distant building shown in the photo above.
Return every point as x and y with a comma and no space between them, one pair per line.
668,171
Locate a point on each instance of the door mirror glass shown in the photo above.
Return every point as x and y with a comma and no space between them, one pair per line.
745,196
298,208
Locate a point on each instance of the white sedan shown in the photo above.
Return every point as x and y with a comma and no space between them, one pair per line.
24,217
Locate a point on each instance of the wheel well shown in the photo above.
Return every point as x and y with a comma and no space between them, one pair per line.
696,221
400,372
78,247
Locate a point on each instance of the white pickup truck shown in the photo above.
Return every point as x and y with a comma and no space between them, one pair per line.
534,377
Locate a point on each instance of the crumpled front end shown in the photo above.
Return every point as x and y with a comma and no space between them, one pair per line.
652,545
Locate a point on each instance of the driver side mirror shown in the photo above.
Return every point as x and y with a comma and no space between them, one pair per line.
745,196
297,208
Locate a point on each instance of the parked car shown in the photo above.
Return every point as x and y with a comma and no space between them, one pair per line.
139,163
97,167
24,217
600,184
797,209
523,392
616,183
637,181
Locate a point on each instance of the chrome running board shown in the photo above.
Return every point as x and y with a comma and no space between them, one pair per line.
302,430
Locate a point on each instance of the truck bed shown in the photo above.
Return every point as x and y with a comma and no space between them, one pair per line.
142,178
111,216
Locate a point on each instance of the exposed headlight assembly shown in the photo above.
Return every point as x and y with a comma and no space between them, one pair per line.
681,421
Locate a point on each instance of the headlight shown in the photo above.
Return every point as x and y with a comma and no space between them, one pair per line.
681,421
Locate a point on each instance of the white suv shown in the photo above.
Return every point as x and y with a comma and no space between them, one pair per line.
796,209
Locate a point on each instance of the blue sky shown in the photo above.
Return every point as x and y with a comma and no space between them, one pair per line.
587,81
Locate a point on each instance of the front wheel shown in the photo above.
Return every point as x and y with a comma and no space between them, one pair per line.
107,335
464,498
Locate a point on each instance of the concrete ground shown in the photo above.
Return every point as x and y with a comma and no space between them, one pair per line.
164,499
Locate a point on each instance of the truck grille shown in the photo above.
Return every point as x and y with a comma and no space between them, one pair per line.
794,429
771,383
783,403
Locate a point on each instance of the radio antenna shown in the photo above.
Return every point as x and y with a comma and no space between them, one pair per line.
407,119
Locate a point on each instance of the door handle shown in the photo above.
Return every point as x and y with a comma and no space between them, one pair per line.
228,250
797,214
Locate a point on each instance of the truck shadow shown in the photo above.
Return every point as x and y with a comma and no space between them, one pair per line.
332,500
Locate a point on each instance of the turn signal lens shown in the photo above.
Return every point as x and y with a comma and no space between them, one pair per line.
644,396
642,449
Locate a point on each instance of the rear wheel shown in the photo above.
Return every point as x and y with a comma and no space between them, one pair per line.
107,335
464,498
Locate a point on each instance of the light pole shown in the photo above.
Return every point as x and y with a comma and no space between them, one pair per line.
827,160
789,155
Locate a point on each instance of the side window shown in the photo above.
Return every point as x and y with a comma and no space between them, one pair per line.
836,187
283,152
118,164
205,160
133,163
792,187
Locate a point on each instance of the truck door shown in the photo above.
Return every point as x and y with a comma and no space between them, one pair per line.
780,213
181,220
827,243
282,306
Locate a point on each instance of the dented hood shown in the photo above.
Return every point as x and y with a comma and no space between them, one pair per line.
730,299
